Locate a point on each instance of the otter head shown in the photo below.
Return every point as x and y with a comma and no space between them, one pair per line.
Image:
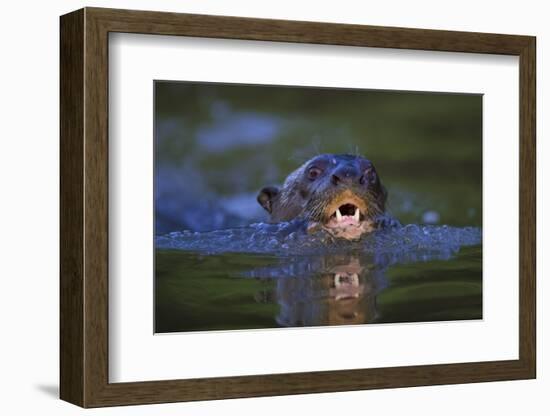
340,193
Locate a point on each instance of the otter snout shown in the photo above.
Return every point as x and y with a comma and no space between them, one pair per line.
345,175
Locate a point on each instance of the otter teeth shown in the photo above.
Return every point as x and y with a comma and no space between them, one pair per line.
340,217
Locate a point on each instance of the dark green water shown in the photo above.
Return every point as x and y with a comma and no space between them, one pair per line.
216,145
197,292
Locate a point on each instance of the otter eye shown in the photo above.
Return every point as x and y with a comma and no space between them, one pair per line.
313,173
369,176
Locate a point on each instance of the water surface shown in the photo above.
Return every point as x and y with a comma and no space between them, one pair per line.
269,276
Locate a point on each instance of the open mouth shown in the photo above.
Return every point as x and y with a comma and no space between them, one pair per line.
347,214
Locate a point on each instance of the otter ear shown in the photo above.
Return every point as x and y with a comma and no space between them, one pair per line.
266,196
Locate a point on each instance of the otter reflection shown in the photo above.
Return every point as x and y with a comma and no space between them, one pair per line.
328,290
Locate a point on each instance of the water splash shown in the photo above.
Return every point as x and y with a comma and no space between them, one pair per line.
419,242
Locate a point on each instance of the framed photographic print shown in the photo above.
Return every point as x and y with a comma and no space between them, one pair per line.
255,207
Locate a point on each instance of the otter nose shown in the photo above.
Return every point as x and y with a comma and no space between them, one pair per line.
346,174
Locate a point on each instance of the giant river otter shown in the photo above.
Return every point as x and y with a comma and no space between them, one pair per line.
339,193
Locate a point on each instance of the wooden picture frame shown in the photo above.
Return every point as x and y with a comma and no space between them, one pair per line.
84,207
